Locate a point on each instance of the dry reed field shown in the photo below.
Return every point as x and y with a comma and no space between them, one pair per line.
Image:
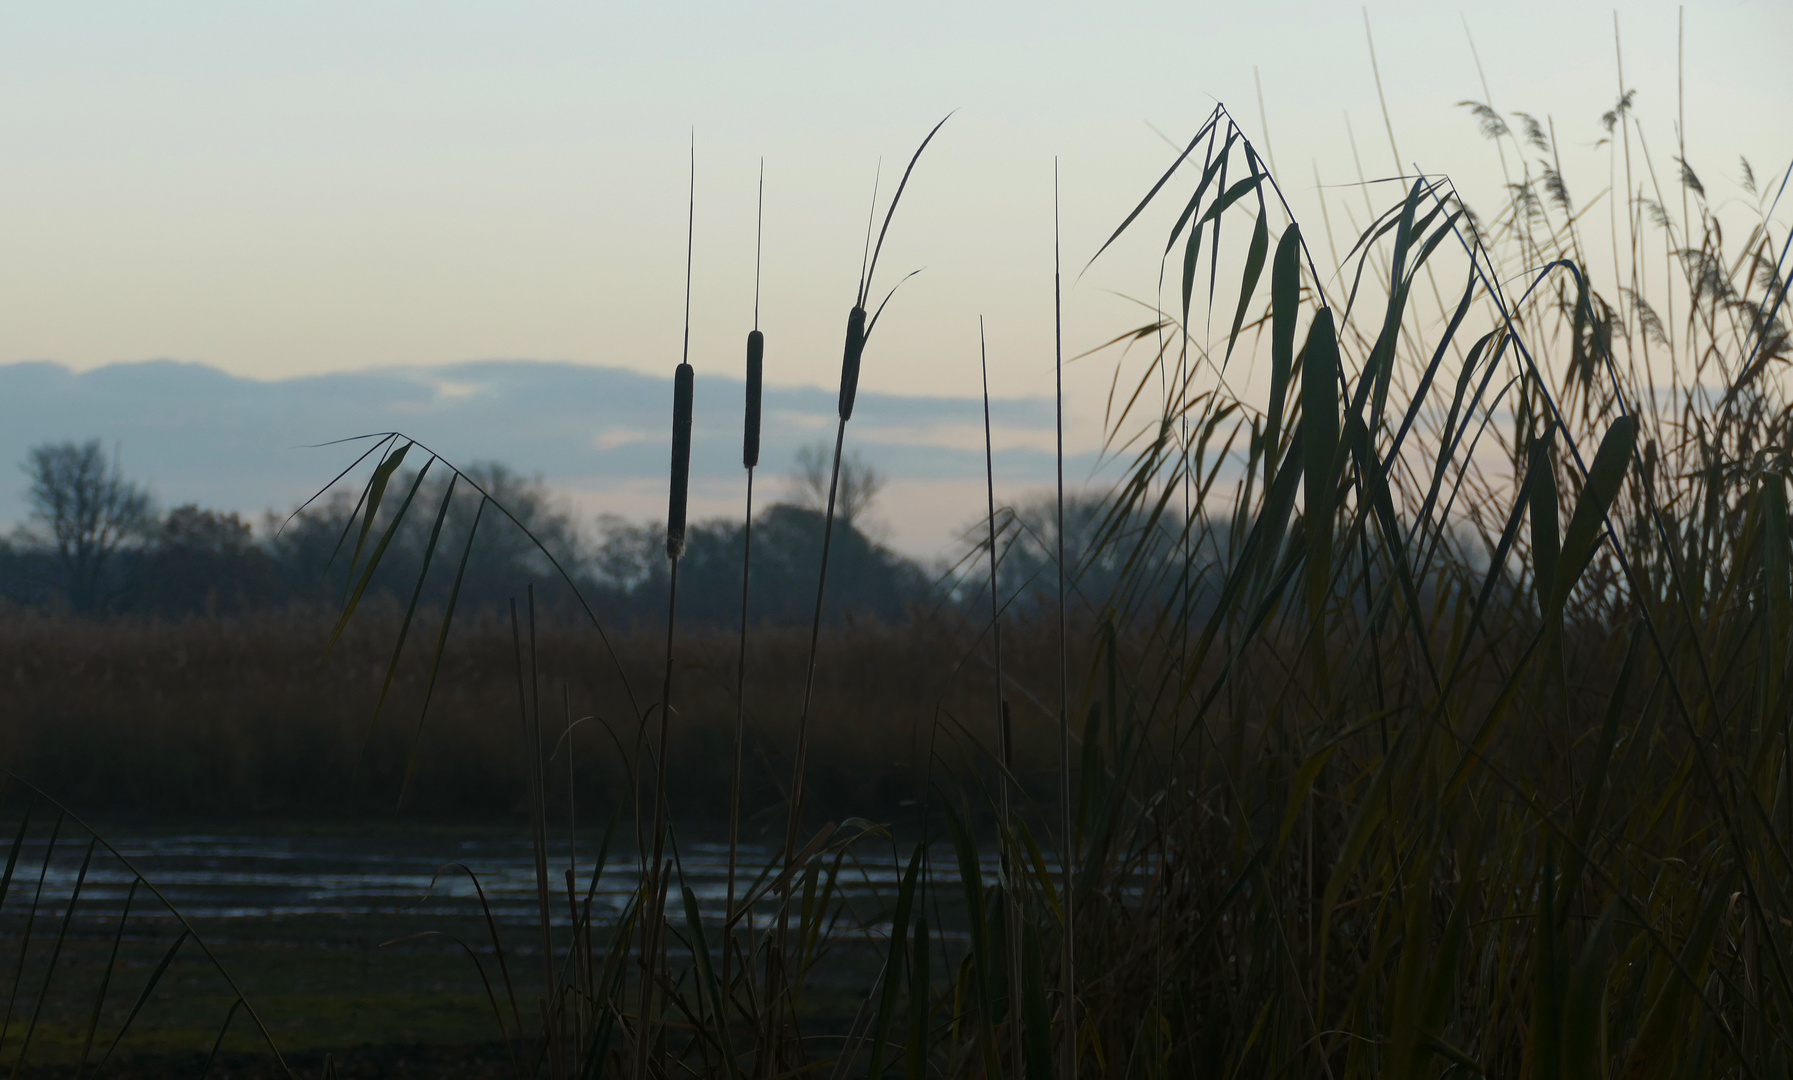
1433,718
234,719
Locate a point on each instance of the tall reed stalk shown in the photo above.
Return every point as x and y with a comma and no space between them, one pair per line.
1068,838
655,977
750,457
859,331
1005,757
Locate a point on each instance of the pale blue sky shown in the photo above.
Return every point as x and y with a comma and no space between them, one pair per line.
283,188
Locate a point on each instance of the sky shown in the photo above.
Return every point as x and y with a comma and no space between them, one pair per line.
284,189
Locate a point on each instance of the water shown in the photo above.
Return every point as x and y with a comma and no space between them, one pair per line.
240,878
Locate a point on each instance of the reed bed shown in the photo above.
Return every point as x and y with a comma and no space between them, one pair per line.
233,719
1435,722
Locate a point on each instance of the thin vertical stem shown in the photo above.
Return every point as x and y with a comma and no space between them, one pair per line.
734,802
653,934
1005,746
815,636
779,994
1067,854
750,458
809,672
690,233
750,453
759,235
1681,139
654,879
1381,99
529,716
1631,192
566,705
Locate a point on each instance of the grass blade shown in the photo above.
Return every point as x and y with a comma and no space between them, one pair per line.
99,997
895,966
1604,477
1319,437
143,997
1285,307
1159,186
429,690
376,491
373,560
68,917
219,1042
1036,1023
915,1060
423,573
1254,266
18,972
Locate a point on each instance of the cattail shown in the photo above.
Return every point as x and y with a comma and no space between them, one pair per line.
756,357
849,390
849,364
681,460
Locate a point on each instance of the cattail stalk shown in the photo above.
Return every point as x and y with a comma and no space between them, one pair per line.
653,953
859,330
750,457
653,932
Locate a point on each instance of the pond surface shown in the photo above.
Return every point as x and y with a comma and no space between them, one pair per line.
213,876
343,937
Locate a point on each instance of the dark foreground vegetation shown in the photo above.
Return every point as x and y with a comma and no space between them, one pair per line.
1423,710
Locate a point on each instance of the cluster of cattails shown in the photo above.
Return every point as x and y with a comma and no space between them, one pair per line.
859,327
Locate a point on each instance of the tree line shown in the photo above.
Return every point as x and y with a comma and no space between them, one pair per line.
97,544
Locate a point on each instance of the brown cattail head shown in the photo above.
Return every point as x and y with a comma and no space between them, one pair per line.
756,358
849,363
681,460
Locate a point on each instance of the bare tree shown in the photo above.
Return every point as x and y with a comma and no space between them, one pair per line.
88,509
860,483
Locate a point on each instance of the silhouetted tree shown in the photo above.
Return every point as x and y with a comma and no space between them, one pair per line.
85,511
860,483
